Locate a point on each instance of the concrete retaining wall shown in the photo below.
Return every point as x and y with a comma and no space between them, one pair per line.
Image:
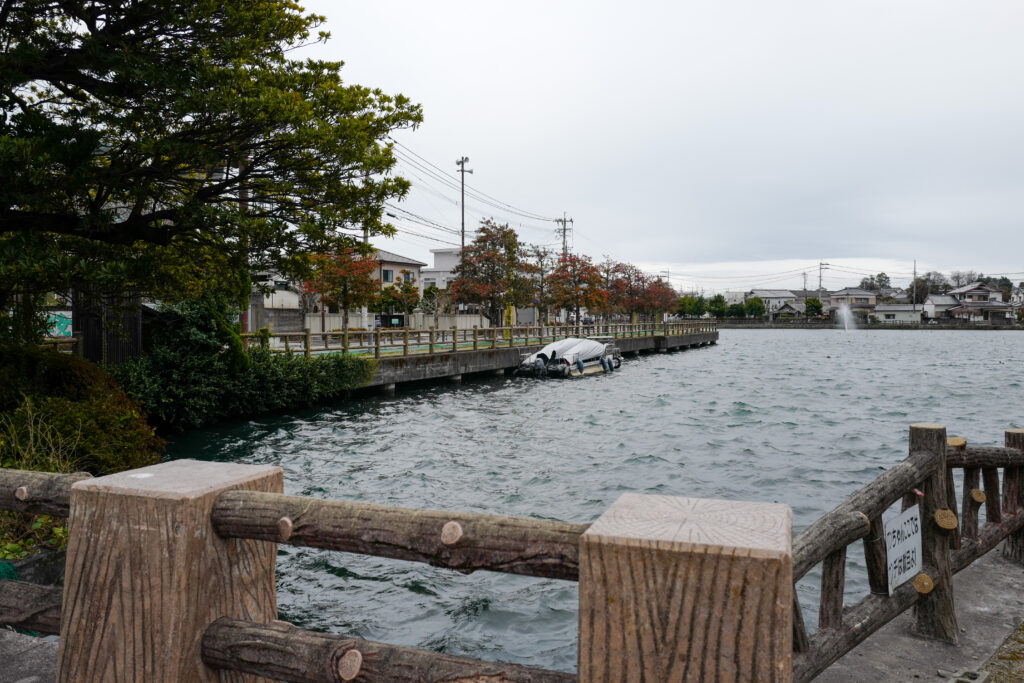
417,367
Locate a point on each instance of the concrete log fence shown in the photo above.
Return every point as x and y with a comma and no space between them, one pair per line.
170,572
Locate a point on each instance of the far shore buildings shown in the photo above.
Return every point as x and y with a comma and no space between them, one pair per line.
974,303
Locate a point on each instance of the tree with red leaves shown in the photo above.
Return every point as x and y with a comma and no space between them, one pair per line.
659,297
629,289
577,283
403,295
345,279
494,272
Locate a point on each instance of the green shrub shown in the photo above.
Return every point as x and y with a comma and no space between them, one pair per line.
85,417
193,375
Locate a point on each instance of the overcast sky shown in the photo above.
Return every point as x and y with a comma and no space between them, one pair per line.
725,142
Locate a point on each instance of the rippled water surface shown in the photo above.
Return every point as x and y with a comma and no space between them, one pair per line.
802,417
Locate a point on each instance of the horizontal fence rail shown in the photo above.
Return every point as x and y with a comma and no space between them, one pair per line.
281,651
951,541
37,493
465,542
404,341
246,515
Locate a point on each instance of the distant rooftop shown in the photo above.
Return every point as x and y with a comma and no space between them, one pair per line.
391,257
973,286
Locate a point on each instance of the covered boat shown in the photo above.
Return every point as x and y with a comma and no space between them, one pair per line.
571,356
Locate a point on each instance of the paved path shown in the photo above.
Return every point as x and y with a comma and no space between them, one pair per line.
989,598
27,659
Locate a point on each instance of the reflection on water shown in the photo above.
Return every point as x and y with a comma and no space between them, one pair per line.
802,417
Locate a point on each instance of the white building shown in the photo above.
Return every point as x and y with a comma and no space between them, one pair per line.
938,305
773,299
440,274
734,298
898,313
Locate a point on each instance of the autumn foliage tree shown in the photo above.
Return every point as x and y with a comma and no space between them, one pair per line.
629,289
494,272
577,283
346,279
659,297
403,295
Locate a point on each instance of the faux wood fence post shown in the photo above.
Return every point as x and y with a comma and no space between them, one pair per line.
455,338
376,343
307,341
675,589
936,617
476,337
1014,546
146,572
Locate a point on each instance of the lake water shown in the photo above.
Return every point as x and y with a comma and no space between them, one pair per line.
803,417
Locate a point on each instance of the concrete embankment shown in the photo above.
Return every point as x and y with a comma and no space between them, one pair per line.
418,367
761,325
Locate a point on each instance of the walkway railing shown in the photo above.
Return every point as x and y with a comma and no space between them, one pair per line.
404,341
170,572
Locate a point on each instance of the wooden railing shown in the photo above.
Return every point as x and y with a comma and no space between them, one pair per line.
170,572
64,344
404,341
950,542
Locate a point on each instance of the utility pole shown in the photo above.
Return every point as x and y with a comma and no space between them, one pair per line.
805,281
821,266
913,288
565,229
461,163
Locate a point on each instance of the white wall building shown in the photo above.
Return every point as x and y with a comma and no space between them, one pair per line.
898,313
440,274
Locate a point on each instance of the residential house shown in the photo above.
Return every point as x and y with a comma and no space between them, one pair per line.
791,309
939,305
773,298
391,268
861,301
978,302
440,274
734,298
1017,296
898,313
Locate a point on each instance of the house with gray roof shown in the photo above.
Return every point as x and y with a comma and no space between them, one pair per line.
939,305
978,302
773,298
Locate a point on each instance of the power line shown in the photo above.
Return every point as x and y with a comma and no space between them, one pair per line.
427,177
480,194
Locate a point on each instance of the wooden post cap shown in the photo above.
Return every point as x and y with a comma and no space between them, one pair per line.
21,493
923,584
946,519
451,532
350,664
978,496
285,528
956,442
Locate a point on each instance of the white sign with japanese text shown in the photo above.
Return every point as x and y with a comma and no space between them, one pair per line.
903,546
